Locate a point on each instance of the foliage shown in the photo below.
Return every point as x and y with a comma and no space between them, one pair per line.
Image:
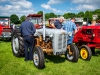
80,14
40,12
54,65
69,15
47,16
96,12
14,19
58,15
98,17
22,18
88,15
50,15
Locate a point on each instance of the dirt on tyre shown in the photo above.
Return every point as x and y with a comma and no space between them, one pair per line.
72,53
17,43
38,57
85,52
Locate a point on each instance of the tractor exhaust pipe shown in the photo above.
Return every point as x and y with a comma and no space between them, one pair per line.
43,26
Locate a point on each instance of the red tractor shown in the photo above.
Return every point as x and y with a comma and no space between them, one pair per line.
5,30
87,39
36,19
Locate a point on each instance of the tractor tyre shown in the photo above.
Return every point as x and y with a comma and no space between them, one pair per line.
85,52
17,43
74,55
38,57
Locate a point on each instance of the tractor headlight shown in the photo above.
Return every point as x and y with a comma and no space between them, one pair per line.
93,35
51,35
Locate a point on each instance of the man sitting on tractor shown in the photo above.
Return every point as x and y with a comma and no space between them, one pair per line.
58,23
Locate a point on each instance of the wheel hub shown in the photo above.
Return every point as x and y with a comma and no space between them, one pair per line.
15,44
84,53
36,58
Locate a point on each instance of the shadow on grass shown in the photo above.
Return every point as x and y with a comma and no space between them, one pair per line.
5,40
53,58
97,52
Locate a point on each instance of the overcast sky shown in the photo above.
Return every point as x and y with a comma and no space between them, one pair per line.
25,7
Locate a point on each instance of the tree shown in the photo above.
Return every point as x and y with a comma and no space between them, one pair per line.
96,12
58,15
69,15
14,19
22,18
47,16
66,15
52,15
40,12
80,14
88,15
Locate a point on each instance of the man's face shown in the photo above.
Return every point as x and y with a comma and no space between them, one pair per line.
61,20
73,20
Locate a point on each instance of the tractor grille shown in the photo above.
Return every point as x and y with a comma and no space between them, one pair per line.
61,41
6,34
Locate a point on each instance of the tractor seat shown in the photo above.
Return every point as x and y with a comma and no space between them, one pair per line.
37,26
50,27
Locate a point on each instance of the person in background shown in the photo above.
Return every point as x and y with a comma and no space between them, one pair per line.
3,24
93,23
71,29
58,23
27,30
98,22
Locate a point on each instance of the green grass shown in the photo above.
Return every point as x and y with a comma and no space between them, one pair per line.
54,65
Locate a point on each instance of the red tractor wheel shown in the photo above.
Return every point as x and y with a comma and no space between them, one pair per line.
85,52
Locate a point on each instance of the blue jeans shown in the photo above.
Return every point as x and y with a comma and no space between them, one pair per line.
28,45
70,40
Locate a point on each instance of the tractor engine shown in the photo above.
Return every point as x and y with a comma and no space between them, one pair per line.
44,45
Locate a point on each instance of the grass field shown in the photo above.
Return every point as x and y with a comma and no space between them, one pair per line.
54,65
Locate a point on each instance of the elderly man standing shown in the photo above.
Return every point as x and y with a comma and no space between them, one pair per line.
27,30
70,28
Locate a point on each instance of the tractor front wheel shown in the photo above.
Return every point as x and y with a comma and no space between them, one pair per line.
38,57
72,53
85,52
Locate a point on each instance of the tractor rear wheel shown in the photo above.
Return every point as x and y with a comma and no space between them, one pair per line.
38,57
72,53
85,52
17,44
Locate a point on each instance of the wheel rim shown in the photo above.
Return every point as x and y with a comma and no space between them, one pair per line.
84,53
36,58
70,57
15,44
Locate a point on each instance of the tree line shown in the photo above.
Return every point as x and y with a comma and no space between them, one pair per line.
87,14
